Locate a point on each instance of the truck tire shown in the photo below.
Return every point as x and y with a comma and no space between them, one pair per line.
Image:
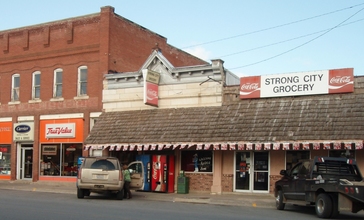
279,200
80,193
335,206
323,206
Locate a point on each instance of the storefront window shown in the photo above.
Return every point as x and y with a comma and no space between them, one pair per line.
4,159
60,159
196,161
293,157
342,153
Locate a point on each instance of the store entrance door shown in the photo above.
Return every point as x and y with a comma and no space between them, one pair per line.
26,163
251,171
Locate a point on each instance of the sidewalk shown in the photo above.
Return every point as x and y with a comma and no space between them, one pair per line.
230,199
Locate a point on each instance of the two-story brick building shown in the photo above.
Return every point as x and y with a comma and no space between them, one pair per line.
51,80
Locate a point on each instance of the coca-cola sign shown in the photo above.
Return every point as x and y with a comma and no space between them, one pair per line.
151,80
66,130
297,84
341,81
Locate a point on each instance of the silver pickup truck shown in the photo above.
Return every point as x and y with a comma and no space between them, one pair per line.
100,174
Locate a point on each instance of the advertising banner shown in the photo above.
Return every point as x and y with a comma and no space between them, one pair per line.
297,84
151,81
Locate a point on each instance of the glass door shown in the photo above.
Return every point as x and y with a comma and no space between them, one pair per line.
261,171
252,171
26,168
242,171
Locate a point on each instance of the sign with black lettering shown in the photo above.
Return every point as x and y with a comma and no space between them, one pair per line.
297,84
23,131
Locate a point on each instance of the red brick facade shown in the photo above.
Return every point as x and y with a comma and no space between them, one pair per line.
102,42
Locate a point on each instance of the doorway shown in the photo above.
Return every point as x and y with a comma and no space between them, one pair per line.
26,162
252,171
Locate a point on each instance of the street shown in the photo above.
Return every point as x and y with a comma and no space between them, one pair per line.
19,205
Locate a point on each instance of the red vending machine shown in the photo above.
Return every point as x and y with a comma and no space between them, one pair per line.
162,173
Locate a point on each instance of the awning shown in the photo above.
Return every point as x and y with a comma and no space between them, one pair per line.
240,146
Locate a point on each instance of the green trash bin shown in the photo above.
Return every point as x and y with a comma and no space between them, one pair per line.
182,184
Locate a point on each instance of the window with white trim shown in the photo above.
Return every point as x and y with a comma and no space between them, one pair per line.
82,81
36,85
57,87
15,86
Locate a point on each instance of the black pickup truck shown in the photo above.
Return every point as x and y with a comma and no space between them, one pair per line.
331,184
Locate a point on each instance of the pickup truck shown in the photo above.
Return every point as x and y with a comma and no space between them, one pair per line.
331,184
104,174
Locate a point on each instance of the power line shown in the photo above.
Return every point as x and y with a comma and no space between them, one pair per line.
274,27
307,42
285,41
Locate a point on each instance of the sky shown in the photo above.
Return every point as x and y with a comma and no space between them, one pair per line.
255,37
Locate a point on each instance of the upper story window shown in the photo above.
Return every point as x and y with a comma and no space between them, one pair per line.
15,86
82,81
36,85
57,87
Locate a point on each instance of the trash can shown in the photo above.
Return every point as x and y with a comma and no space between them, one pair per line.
182,183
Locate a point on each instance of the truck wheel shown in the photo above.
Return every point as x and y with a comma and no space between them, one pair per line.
279,200
120,195
335,206
323,206
80,193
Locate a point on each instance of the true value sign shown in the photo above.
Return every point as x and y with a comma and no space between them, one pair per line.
66,130
297,84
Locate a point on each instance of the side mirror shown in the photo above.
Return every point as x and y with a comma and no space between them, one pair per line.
283,172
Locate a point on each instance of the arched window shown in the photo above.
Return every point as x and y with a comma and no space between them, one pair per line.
36,85
58,80
82,81
15,87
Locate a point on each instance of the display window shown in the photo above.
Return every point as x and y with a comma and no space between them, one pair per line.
5,155
60,159
342,153
196,161
293,157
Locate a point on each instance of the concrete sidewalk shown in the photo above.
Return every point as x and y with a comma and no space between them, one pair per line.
230,199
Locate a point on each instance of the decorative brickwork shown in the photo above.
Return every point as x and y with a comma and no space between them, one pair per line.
273,180
227,182
200,181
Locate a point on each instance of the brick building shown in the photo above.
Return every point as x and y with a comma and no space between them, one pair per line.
51,79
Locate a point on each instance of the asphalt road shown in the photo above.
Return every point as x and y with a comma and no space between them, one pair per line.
20,205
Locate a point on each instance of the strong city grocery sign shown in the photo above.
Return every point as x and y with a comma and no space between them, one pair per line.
298,84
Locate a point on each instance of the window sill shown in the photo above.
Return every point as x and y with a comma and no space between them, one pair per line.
81,97
58,99
14,103
35,101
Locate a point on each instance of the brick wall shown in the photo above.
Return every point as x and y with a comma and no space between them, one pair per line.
200,182
227,182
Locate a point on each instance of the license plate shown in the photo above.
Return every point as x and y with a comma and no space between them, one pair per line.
99,176
99,186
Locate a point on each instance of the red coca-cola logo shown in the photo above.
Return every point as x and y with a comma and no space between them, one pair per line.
152,94
155,173
340,80
250,86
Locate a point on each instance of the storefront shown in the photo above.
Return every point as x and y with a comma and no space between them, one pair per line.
5,147
60,147
24,139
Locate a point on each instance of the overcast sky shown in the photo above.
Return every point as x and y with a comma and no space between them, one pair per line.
255,37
